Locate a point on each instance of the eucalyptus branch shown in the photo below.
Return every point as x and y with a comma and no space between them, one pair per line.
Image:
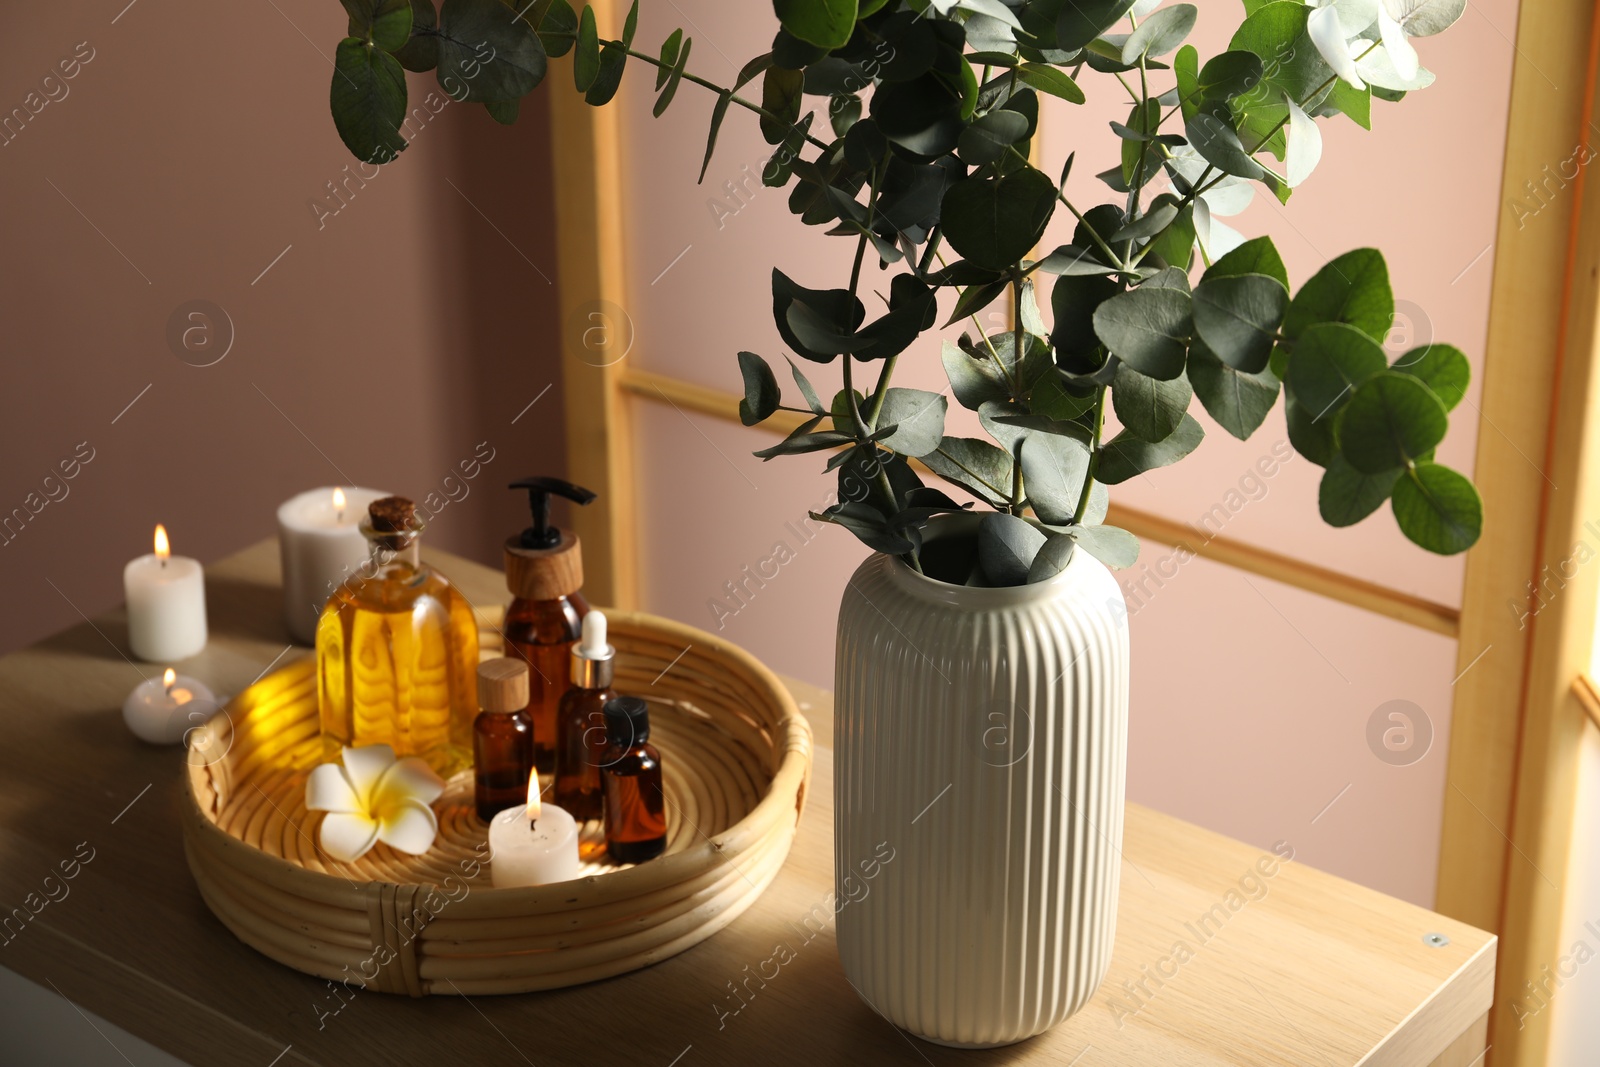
1082,509
704,83
1061,195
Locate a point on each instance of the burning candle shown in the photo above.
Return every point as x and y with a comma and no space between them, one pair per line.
320,543
166,597
161,711
532,844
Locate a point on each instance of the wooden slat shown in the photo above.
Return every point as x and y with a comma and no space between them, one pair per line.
586,153
1583,690
1525,323
1439,618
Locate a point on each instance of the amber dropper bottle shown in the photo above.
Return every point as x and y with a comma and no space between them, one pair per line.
636,809
502,737
544,570
580,724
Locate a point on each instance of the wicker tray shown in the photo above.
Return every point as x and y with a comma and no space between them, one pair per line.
737,759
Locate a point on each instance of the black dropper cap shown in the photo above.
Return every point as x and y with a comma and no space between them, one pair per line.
542,534
627,721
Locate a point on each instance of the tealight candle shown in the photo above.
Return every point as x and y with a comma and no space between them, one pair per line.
162,711
532,844
166,597
320,544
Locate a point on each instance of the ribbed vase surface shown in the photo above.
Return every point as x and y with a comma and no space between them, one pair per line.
981,740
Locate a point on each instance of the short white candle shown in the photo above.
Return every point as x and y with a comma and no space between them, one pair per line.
163,710
166,597
320,544
532,844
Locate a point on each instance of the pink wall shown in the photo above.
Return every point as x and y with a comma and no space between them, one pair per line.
1251,700
394,335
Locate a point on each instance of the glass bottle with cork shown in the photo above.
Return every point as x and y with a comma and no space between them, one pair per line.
502,737
544,571
635,805
397,651
581,724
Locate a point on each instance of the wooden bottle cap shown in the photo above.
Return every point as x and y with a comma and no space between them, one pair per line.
503,684
544,573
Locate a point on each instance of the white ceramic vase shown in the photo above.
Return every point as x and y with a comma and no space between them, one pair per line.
980,744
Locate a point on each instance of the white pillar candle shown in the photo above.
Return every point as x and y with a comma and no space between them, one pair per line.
320,543
163,710
533,844
166,597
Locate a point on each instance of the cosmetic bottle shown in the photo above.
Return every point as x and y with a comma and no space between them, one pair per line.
581,724
502,737
397,651
636,813
544,570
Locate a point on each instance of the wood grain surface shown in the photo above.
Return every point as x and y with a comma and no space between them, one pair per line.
1280,964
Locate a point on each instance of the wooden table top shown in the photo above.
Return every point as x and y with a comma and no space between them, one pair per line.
1224,955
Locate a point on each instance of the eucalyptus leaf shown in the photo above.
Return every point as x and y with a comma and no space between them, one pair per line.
1238,401
1238,315
1006,548
1219,143
1353,288
421,52
1438,509
1443,368
976,466
993,222
1392,420
1126,456
1052,80
1160,33
973,381
1053,470
1150,409
805,388
1111,545
484,54
368,100
1081,21
761,393
869,524
1346,495
1148,328
987,139
1329,364
1311,437
827,24
1256,256
918,418
1051,559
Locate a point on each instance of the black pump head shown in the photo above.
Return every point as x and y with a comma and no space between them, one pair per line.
541,534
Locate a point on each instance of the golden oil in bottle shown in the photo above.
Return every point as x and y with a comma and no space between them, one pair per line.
397,652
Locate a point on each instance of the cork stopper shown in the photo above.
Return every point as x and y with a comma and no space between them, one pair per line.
393,521
503,684
544,573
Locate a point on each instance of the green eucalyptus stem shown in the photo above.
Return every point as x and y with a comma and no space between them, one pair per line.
1094,458
704,83
1061,195
1016,331
881,391
1016,481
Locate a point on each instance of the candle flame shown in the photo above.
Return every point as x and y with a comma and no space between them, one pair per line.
163,548
338,499
170,676
534,807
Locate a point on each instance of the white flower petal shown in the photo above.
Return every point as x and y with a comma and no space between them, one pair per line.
1224,239
329,790
1378,69
407,779
1401,54
1355,15
1202,221
364,766
1143,8
1305,145
1326,33
347,837
1229,196
409,826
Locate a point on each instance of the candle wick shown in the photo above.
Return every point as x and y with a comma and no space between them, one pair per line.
163,562
533,825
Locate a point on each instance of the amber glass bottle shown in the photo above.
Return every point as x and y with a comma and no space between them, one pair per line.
581,724
544,570
502,737
397,652
636,807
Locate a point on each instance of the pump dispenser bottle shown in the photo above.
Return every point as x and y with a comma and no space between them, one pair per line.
544,570
581,727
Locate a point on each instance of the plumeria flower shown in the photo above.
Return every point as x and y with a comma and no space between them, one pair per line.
374,797
1368,41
